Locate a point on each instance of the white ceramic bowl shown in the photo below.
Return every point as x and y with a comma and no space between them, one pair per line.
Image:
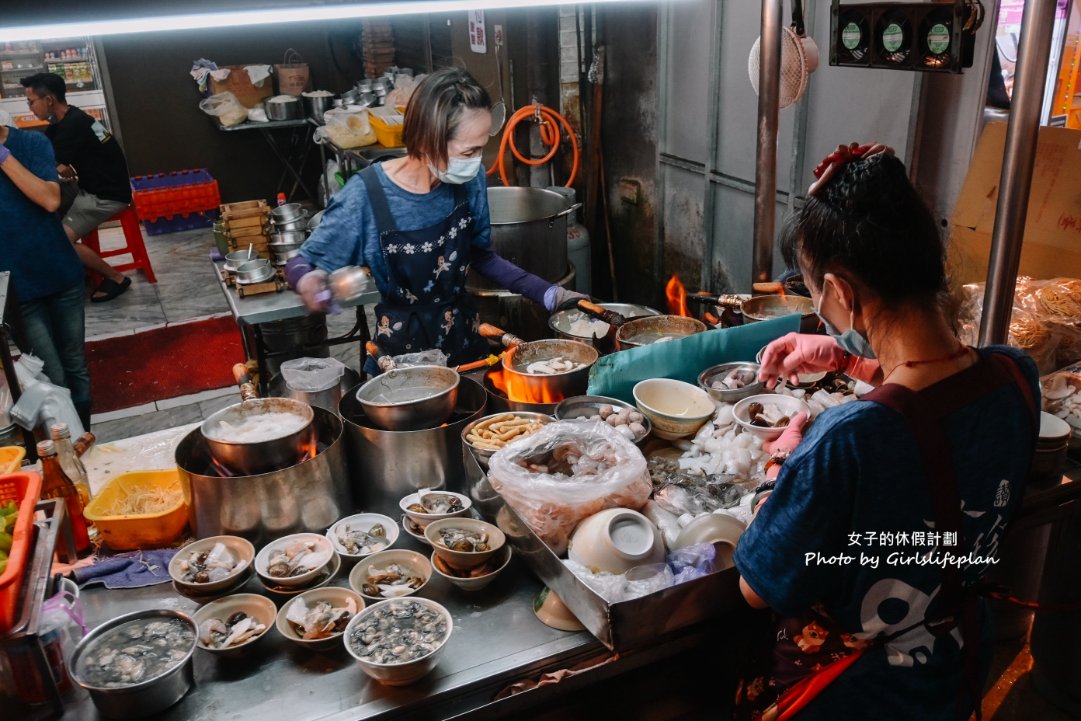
319,543
423,519
1053,430
326,575
363,522
413,530
336,596
473,583
239,548
464,560
720,529
260,608
398,674
676,409
788,405
412,560
616,540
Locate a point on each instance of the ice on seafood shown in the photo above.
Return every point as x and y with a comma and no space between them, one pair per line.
398,631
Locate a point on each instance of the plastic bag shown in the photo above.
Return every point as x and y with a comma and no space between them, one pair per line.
434,357
312,374
347,127
567,471
226,108
691,562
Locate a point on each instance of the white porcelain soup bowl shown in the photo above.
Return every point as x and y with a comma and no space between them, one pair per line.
676,409
616,540
318,553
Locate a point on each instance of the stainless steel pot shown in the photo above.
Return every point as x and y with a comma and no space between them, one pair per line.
767,307
285,108
146,698
288,211
561,321
288,237
644,331
529,228
315,220
263,456
548,388
239,257
308,496
393,464
406,399
317,105
298,223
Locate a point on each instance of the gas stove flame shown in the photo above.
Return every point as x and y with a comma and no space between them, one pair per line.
517,389
676,295
307,452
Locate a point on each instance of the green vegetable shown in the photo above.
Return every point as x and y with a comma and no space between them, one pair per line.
5,542
9,509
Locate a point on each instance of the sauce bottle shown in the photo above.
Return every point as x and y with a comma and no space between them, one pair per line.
69,460
57,484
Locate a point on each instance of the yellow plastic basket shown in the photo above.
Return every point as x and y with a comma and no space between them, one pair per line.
129,532
11,459
389,135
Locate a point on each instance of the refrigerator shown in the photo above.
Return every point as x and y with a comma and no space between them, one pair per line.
73,59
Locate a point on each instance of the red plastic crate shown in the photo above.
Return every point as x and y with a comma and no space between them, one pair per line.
181,192
24,489
176,223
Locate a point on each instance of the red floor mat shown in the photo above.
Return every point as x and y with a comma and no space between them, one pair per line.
163,363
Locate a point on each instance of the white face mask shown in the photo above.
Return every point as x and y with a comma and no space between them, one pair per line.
459,170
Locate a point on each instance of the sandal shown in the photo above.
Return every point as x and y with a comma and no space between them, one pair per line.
109,289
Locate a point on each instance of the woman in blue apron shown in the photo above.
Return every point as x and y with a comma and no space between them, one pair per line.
420,223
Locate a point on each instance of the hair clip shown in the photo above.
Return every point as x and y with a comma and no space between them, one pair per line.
844,154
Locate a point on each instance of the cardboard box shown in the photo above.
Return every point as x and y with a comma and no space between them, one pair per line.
1052,239
239,84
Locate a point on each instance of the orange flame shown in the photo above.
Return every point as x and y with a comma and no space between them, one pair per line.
518,389
677,296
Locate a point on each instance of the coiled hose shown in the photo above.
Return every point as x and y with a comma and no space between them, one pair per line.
550,122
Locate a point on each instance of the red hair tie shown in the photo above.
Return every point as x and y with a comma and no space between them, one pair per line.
844,155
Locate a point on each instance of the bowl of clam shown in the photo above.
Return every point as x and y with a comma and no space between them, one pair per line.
464,543
399,642
623,417
425,506
294,561
477,577
230,626
211,565
362,534
390,574
731,382
767,415
316,619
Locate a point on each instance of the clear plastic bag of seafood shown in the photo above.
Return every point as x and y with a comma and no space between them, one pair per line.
566,471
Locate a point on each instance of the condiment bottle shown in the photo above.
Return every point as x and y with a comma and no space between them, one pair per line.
281,199
57,484
82,443
69,460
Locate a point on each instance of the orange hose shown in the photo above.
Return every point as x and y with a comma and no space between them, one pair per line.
550,122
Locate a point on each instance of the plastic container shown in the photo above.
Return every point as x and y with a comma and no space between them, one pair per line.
181,192
130,532
11,458
175,224
388,126
24,489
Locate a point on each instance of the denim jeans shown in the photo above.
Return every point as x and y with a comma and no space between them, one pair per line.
55,327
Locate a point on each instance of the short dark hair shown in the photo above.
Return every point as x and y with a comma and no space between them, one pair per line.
46,84
871,223
435,111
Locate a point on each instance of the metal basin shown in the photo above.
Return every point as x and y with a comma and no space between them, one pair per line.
644,331
262,456
553,387
397,463
298,223
148,697
288,237
408,399
284,109
308,496
254,271
561,321
767,307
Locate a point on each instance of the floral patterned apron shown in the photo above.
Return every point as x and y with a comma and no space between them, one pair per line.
425,304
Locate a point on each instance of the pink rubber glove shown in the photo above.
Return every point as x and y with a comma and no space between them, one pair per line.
797,353
791,437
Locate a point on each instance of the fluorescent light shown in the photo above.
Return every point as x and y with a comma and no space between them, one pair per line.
196,21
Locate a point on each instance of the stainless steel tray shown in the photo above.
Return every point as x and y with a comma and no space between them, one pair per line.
619,626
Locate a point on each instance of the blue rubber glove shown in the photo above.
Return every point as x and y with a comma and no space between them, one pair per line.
4,153
556,296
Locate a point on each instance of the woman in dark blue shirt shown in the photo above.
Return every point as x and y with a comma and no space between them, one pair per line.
892,506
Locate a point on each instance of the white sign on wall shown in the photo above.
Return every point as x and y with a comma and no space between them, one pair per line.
478,37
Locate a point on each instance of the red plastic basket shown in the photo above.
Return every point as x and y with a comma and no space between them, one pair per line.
24,489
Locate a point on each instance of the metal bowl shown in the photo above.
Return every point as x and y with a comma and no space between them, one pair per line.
150,696
315,220
239,257
718,372
254,271
550,387
588,406
298,223
644,331
288,211
406,399
285,108
483,455
272,454
290,237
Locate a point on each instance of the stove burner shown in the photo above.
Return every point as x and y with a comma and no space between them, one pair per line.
214,469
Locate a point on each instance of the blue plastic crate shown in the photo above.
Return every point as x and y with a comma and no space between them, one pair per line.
174,179
178,223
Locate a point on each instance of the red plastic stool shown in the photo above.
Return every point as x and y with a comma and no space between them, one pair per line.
133,236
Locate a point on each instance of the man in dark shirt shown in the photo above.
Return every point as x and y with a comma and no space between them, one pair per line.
87,154
45,271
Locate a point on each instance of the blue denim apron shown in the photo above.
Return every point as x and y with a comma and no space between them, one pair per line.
425,304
